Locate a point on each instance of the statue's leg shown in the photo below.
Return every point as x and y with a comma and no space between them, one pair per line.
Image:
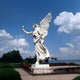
37,57
37,51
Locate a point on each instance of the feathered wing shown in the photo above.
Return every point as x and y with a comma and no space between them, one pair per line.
44,25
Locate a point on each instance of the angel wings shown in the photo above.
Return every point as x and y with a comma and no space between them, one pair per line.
44,25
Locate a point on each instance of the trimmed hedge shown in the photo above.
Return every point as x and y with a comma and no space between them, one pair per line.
77,78
9,74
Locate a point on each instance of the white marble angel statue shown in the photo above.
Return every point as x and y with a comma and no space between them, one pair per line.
39,33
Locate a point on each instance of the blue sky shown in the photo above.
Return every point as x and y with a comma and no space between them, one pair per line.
63,38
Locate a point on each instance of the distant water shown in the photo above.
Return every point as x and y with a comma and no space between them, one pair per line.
65,61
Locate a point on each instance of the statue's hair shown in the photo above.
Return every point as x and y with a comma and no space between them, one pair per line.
36,25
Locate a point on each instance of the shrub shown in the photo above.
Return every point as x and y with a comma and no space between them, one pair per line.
9,74
77,78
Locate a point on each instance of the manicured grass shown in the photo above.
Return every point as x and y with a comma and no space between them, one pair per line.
9,74
5,65
8,65
77,78
15,65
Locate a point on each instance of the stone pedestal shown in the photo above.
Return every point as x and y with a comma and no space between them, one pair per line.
41,69
40,66
45,69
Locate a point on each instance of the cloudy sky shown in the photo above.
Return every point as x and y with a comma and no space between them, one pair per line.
63,40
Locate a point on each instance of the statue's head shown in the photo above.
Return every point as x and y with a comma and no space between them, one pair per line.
35,25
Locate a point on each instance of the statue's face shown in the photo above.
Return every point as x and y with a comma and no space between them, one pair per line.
35,25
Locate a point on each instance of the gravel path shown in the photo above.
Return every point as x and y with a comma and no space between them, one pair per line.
26,76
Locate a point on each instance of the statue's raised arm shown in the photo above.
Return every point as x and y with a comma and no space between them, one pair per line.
26,31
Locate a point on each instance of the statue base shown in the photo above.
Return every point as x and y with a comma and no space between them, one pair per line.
40,66
42,69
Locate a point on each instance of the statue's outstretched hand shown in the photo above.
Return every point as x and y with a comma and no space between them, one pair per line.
22,28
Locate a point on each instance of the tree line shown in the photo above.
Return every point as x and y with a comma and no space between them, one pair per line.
15,57
11,57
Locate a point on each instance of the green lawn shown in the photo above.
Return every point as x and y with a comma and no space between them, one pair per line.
9,65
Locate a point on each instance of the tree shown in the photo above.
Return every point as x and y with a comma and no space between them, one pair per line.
55,58
30,60
12,56
52,58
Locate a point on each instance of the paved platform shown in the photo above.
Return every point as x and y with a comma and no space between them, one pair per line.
26,76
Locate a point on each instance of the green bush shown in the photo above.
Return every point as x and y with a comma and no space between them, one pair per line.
77,78
9,74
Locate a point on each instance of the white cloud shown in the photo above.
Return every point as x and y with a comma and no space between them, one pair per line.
70,52
1,49
7,43
4,35
26,53
18,42
71,45
64,50
68,22
67,49
67,53
77,39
